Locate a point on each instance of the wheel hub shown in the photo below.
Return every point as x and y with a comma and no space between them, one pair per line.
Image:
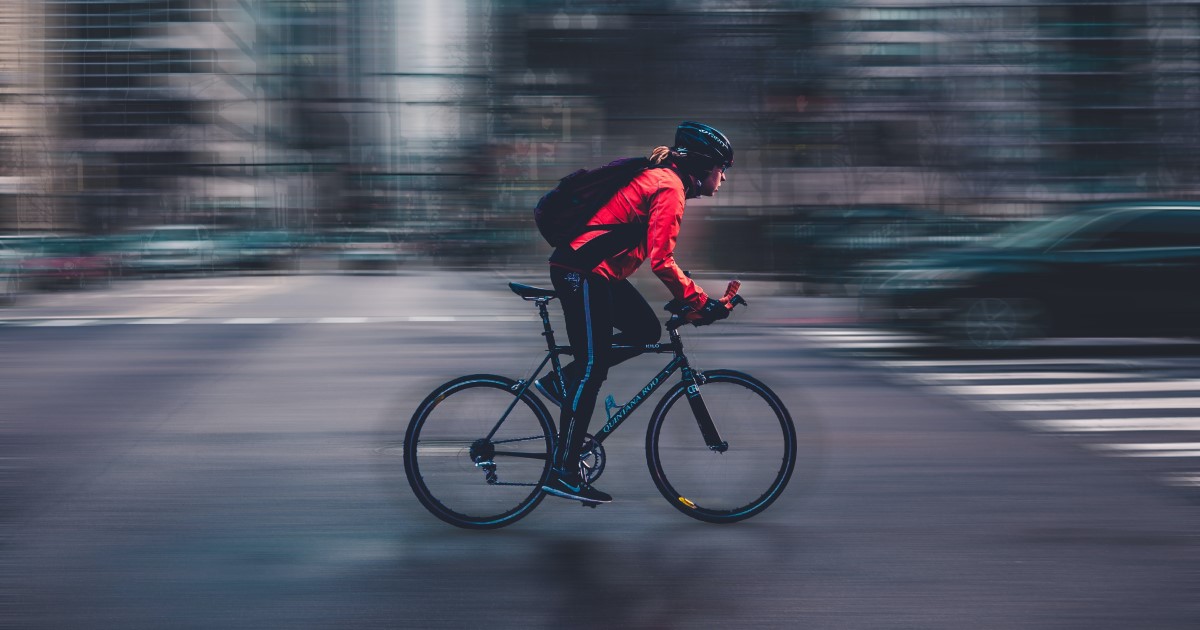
482,450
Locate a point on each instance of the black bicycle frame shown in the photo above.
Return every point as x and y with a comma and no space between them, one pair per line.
614,420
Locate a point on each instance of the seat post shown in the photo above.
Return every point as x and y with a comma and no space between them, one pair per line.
548,332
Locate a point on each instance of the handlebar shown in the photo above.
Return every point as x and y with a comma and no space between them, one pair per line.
679,314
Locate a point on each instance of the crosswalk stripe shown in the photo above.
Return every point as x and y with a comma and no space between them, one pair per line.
1184,480
861,340
1025,376
1116,424
854,334
1195,453
1093,404
1016,363
878,345
252,320
1180,449
1185,385
1163,446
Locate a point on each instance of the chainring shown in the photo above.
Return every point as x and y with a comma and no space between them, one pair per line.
591,459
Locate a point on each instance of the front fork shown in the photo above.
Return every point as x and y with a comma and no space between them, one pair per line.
700,411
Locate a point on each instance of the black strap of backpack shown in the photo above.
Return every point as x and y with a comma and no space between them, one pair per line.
617,238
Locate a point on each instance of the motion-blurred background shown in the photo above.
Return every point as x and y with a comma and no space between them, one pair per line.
140,137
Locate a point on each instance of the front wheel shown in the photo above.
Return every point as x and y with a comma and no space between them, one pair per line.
722,485
476,455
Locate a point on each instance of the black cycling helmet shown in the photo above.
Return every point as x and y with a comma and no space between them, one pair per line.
702,147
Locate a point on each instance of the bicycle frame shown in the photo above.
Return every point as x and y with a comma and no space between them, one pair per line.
679,362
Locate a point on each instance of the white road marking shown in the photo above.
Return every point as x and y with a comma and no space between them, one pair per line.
1025,376
1000,363
1086,404
1164,446
63,322
1116,424
1184,480
1185,385
857,339
855,334
1180,449
875,345
109,321
442,450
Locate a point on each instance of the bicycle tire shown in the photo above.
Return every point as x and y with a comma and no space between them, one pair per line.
713,486
439,456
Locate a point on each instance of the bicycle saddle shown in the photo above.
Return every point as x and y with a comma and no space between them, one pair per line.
531,293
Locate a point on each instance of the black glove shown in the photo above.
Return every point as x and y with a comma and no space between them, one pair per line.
713,311
676,307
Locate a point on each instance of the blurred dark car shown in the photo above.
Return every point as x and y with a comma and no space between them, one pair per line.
1117,271
832,245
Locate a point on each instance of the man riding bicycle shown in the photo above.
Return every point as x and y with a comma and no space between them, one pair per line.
591,275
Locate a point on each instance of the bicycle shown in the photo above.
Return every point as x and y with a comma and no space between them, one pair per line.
478,448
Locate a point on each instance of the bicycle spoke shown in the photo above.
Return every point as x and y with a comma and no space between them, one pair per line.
524,439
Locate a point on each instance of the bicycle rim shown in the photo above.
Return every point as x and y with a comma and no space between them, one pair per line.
448,434
734,485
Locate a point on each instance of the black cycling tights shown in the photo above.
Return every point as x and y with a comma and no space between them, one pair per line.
592,308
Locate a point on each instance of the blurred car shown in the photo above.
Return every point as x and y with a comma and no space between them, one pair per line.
1128,270
174,248
364,249
69,262
260,250
832,245
10,269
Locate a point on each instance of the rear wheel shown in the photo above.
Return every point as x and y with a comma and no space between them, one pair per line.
467,477
722,486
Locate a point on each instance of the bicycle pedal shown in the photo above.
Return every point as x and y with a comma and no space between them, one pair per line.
591,504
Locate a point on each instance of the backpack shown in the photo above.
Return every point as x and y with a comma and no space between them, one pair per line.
562,214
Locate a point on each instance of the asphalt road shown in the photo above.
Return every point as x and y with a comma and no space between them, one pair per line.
222,453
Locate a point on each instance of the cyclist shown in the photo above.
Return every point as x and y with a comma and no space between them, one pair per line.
591,275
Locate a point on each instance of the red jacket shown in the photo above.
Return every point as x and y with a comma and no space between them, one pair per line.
655,197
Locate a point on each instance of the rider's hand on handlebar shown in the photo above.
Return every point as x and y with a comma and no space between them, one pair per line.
713,310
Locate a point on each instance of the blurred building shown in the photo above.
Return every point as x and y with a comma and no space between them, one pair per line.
24,131
155,111
449,118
